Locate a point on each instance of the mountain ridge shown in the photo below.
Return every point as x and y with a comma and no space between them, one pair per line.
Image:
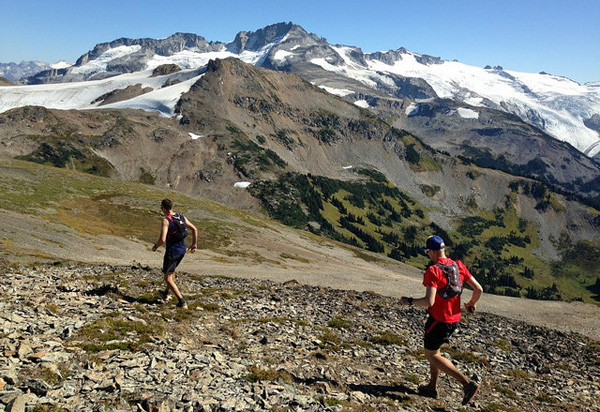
535,98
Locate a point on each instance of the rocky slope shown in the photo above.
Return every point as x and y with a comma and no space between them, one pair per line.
81,338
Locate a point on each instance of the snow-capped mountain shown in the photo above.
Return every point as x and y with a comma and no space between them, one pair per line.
15,71
556,105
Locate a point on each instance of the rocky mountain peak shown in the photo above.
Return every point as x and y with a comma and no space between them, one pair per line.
15,71
254,41
164,47
392,56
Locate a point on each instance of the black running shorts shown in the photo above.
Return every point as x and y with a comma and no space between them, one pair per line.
170,262
437,333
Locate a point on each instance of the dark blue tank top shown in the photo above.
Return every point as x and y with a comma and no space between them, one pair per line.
174,248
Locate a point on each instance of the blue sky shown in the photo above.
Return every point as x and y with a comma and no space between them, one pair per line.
558,36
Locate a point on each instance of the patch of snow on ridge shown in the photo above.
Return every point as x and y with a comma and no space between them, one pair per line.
61,65
360,74
242,185
362,103
467,113
474,101
337,92
187,59
282,55
344,53
412,109
256,57
195,136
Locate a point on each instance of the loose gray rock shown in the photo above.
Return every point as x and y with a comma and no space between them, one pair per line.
100,335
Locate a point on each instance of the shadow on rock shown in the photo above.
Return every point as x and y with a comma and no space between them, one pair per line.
109,289
395,392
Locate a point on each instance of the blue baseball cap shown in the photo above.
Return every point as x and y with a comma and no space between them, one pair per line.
434,243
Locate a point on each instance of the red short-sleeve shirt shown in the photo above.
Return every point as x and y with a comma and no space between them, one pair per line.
444,310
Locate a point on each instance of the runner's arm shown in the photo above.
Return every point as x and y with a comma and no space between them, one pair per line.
477,292
163,235
194,234
428,300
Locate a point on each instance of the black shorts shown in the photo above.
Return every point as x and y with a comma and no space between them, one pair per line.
170,262
437,333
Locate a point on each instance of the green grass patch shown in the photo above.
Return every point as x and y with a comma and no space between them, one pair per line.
99,206
505,391
502,344
48,408
113,331
339,322
53,376
386,338
258,374
412,378
517,374
544,398
208,306
330,402
53,308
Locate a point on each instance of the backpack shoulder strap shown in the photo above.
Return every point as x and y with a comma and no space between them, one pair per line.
170,219
442,266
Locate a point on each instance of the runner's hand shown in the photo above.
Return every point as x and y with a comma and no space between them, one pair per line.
470,307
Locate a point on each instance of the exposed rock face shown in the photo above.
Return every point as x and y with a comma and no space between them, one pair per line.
5,82
123,94
254,41
166,69
82,338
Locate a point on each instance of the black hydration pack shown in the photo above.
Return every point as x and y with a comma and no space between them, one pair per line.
454,286
181,230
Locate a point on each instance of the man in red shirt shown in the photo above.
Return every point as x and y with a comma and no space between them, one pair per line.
444,316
